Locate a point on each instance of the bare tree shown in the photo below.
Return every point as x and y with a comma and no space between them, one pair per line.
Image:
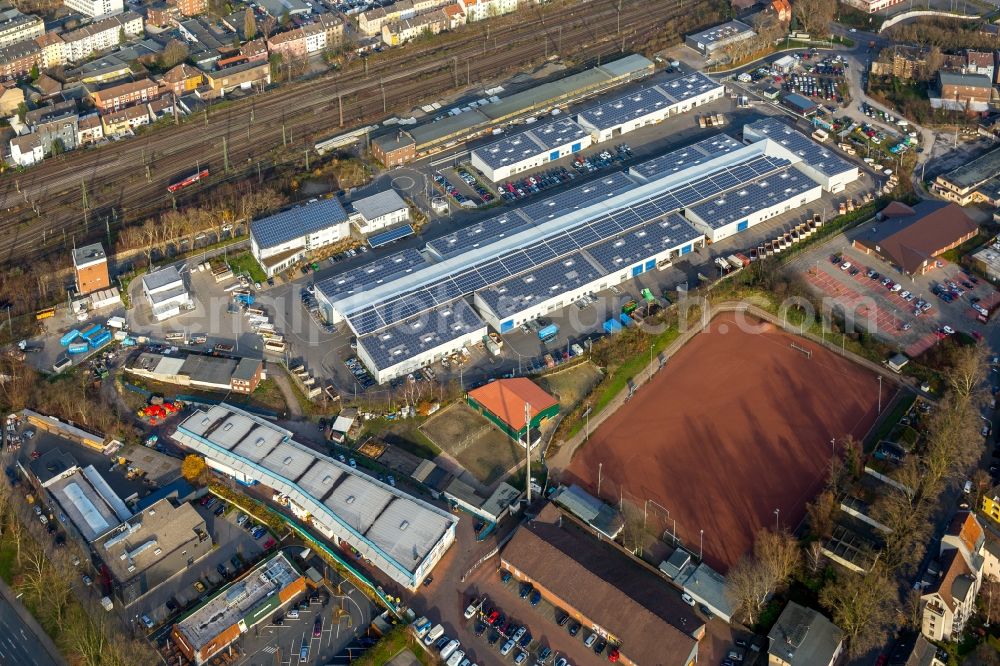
755,577
815,16
814,558
968,370
862,606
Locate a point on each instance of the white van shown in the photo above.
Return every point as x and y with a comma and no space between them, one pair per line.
456,658
450,648
433,634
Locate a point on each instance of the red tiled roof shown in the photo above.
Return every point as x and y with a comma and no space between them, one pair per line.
505,398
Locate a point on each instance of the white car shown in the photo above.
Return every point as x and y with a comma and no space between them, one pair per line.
897,287
687,599
507,647
947,330
471,610
844,266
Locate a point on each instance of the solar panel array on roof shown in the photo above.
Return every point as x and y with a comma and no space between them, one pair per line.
523,145
579,197
646,241
297,222
812,153
409,338
391,236
759,195
685,158
540,284
375,272
479,234
646,101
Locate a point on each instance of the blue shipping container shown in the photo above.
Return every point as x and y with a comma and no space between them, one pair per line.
548,332
612,326
626,320
101,340
78,348
91,332
69,337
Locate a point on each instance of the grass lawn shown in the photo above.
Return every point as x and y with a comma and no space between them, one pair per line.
571,385
890,420
7,554
245,263
485,451
405,434
392,644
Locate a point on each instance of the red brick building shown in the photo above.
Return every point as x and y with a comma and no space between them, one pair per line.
394,149
17,59
122,95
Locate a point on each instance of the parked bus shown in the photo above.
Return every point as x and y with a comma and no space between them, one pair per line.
45,314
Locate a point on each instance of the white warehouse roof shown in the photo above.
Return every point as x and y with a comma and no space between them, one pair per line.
384,523
647,101
525,145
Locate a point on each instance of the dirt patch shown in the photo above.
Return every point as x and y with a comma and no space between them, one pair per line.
571,385
478,446
737,425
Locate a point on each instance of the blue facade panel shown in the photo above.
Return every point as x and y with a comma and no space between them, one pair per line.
576,147
636,270
554,155
686,249
651,264
743,226
506,325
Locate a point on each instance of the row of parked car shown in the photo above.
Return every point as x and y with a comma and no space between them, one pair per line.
471,181
360,373
812,86
453,192
604,160
518,189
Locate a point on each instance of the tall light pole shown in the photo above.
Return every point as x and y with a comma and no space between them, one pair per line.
599,466
833,446
880,394
701,545
777,517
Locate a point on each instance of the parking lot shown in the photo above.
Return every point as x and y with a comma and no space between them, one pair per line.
235,545
910,312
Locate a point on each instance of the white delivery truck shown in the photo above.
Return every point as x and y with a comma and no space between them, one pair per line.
433,634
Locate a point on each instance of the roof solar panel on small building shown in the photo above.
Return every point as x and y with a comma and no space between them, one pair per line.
297,222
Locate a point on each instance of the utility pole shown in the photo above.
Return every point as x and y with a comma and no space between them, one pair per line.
454,60
307,159
527,447
225,155
284,141
86,205
381,85
468,80
340,103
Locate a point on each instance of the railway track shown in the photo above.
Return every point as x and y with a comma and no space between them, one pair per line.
42,208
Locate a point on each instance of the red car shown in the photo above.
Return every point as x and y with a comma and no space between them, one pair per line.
613,655
268,544
492,619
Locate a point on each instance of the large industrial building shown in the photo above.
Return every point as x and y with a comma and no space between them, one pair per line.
200,371
709,42
402,536
529,149
647,106
282,240
411,309
246,602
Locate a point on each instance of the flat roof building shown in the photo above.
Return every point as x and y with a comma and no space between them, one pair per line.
824,166
600,587
911,236
151,547
529,149
962,185
523,263
238,607
401,535
597,514
200,371
709,42
650,105
280,241
165,291
90,264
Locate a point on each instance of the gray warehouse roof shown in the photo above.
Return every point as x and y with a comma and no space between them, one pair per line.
540,284
88,254
686,157
814,154
297,222
378,204
524,145
374,272
721,33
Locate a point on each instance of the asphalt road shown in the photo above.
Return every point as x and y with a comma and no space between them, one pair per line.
19,644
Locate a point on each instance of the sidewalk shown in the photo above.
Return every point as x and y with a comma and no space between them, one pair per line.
28,620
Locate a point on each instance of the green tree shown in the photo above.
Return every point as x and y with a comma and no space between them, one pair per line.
58,147
34,73
22,111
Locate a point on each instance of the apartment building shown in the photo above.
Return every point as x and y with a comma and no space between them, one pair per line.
101,35
371,22
89,129
477,10
121,95
53,49
191,7
182,79
17,27
96,8
126,120
17,60
400,32
962,92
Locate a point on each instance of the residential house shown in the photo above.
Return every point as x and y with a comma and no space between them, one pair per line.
11,97
782,10
916,651
89,129
58,133
243,76
872,6
161,14
980,62
428,23
26,150
17,60
477,10
17,27
162,107
333,25
371,22
950,587
962,92
53,49
182,79
803,637
120,95
990,505
96,8
253,51
456,16
101,35
47,86
291,45
166,292
379,211
126,120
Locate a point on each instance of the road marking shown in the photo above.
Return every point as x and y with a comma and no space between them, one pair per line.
270,649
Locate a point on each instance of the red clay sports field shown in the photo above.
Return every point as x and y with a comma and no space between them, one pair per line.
736,425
